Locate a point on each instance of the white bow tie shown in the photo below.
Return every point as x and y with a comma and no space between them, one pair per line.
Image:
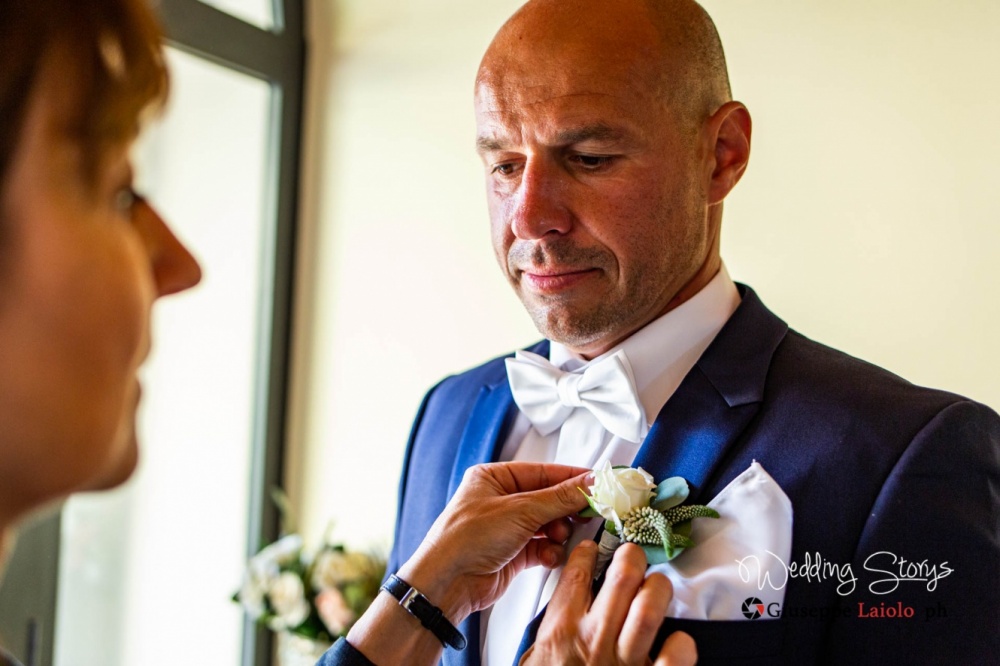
548,395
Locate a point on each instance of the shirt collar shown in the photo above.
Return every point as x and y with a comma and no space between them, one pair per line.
663,352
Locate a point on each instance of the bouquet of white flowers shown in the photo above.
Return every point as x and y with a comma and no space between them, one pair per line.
316,596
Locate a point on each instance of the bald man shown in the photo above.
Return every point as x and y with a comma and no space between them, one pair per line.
610,141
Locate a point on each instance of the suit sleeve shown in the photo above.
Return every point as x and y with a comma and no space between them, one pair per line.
395,559
928,562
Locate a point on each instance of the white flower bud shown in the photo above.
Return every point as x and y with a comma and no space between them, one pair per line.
617,491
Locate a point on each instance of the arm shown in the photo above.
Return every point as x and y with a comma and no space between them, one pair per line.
504,518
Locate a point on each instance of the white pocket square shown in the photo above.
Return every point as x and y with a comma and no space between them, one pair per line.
748,542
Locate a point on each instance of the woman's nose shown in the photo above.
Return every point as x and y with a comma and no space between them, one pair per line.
174,268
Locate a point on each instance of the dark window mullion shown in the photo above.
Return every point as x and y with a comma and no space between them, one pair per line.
213,34
277,57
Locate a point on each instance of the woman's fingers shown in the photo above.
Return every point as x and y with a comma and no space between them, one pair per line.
571,598
678,650
644,619
558,530
620,627
541,552
622,583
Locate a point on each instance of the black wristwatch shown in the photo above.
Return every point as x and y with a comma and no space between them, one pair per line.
429,615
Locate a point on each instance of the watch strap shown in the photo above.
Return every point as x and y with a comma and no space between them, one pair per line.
430,616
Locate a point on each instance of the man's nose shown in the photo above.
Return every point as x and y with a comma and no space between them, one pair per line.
174,267
541,205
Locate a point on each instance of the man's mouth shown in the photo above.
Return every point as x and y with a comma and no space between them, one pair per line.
551,280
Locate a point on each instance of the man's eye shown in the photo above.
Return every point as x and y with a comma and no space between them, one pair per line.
503,169
593,161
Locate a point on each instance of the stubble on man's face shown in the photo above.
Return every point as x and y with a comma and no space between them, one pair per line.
620,297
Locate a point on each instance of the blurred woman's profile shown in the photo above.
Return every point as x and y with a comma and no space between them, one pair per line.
82,255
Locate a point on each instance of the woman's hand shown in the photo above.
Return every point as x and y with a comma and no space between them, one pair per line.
619,626
504,518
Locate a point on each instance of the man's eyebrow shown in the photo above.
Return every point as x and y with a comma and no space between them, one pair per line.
599,132
486,144
567,137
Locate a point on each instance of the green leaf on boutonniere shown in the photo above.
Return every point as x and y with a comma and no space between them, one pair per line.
663,554
680,541
655,555
591,510
669,493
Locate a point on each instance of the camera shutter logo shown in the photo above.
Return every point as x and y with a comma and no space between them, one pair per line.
753,608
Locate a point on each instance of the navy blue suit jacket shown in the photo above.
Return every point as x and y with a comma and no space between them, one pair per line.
869,461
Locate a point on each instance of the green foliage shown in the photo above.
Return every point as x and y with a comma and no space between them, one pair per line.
680,514
669,493
591,510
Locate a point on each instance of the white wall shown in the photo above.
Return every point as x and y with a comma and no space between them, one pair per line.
866,218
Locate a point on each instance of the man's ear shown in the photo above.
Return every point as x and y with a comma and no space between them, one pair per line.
730,126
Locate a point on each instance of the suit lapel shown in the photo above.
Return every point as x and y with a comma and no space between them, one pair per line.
481,439
692,433
490,421
491,418
716,401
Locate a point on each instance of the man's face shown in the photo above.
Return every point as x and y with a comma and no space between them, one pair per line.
596,187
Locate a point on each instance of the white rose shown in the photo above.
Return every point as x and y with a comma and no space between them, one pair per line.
288,600
265,566
282,552
251,594
617,491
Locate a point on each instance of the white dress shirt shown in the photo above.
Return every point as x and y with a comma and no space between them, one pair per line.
660,354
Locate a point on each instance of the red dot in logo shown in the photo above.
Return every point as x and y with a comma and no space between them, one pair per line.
753,608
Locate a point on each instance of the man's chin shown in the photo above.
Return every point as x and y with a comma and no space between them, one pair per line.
574,330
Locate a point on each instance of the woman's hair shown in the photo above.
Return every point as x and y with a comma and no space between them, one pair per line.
109,52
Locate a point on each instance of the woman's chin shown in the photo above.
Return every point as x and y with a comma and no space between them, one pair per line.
118,470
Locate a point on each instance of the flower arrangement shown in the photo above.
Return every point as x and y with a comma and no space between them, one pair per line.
316,596
648,514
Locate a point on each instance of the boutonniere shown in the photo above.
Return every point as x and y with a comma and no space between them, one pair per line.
636,509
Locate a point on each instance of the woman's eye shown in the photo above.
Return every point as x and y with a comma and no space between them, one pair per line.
126,200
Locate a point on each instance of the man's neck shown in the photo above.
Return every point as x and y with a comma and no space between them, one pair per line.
693,287
663,352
